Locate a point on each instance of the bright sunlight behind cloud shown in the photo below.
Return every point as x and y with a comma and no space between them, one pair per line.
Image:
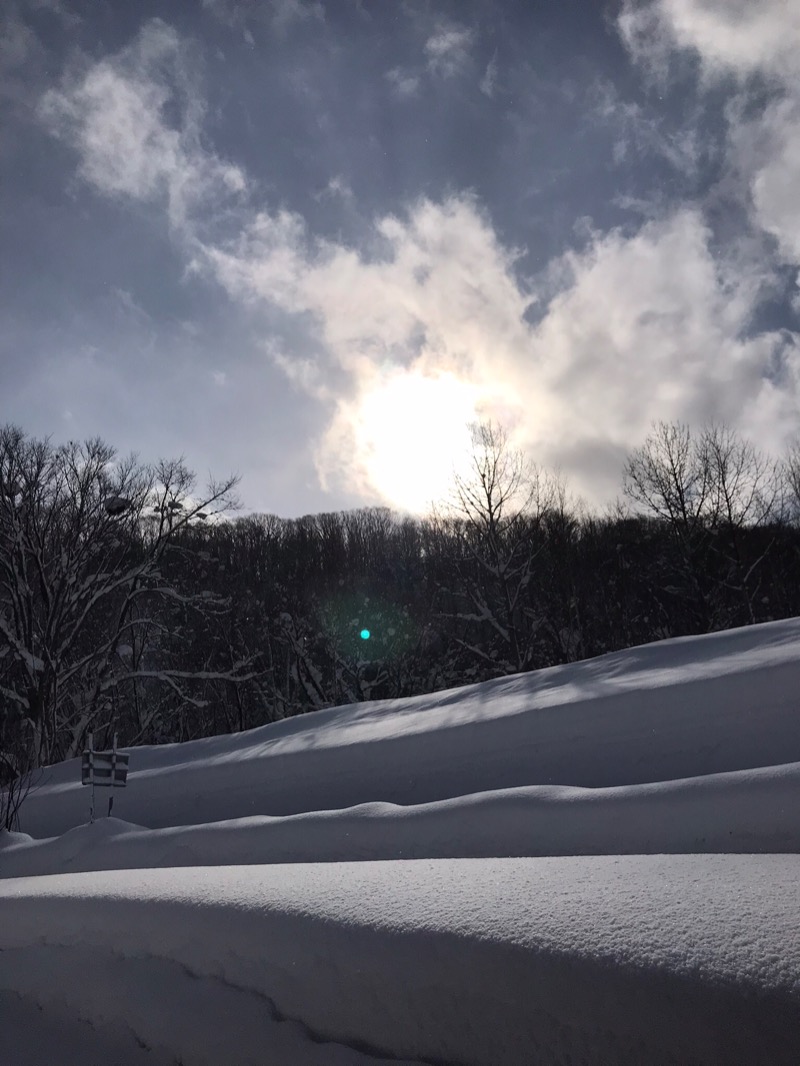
405,439
428,313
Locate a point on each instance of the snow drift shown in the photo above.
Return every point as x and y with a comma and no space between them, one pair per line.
746,811
679,709
607,960
535,881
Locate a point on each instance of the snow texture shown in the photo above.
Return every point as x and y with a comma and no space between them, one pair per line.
746,811
547,874
607,959
677,709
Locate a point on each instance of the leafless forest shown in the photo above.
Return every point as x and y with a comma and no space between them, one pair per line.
133,601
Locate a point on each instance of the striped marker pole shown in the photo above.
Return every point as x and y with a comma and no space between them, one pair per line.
108,768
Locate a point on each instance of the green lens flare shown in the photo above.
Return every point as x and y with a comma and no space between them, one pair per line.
365,634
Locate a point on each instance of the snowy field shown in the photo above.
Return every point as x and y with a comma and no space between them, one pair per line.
596,864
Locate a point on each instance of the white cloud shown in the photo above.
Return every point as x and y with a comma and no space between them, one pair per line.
731,37
767,151
115,114
644,327
130,308
404,83
266,263
739,40
488,83
654,326
447,50
430,313
338,188
639,133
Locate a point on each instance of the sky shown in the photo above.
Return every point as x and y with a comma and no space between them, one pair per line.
310,241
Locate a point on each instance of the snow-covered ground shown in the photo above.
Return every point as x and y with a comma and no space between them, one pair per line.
596,863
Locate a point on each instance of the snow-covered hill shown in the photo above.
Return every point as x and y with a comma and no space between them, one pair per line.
503,877
677,709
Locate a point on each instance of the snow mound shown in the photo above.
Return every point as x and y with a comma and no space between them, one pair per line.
480,926
679,709
627,960
9,839
746,811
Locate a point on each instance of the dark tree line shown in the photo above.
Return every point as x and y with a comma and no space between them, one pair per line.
131,602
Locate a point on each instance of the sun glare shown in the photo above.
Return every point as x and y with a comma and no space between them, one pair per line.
415,436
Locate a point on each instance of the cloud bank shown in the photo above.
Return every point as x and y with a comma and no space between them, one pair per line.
430,321
756,48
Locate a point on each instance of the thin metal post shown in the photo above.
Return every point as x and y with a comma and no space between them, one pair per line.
113,773
90,738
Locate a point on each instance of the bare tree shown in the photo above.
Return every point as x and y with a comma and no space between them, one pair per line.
745,488
669,477
17,780
743,481
790,482
708,488
493,516
85,543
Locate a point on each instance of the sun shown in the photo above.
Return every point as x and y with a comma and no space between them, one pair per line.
413,435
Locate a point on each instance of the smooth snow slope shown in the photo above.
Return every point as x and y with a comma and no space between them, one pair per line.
746,811
677,709
509,962
303,957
